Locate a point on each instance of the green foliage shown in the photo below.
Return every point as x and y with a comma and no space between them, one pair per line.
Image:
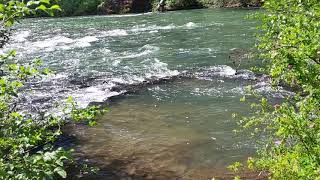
14,9
85,115
184,4
290,47
27,140
79,7
92,7
181,4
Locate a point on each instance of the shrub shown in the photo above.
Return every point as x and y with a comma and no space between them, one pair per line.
79,7
27,139
290,47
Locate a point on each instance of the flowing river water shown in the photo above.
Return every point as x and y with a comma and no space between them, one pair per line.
173,79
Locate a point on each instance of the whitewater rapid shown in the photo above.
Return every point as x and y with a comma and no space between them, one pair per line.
89,61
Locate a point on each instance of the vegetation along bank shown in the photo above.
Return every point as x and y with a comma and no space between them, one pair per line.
94,7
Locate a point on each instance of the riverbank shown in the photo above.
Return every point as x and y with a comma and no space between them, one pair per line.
104,7
198,4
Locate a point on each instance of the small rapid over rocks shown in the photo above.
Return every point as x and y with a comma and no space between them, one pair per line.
172,78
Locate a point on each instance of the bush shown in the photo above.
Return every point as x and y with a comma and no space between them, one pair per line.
182,4
185,4
290,130
27,139
79,7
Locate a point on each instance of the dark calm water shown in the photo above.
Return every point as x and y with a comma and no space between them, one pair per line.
179,128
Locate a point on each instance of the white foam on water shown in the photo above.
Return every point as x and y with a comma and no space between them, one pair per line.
118,80
129,15
105,51
135,55
154,31
265,87
159,69
143,51
223,70
226,72
59,76
217,24
64,43
82,44
206,92
245,74
85,41
91,94
150,69
142,28
152,28
115,32
218,91
137,79
190,25
183,51
150,47
156,28
116,63
262,85
52,42
21,36
127,79
236,91
88,39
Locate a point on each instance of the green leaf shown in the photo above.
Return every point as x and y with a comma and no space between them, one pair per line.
2,8
42,8
45,1
55,7
61,172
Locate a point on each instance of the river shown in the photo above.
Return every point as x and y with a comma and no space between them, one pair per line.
175,79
